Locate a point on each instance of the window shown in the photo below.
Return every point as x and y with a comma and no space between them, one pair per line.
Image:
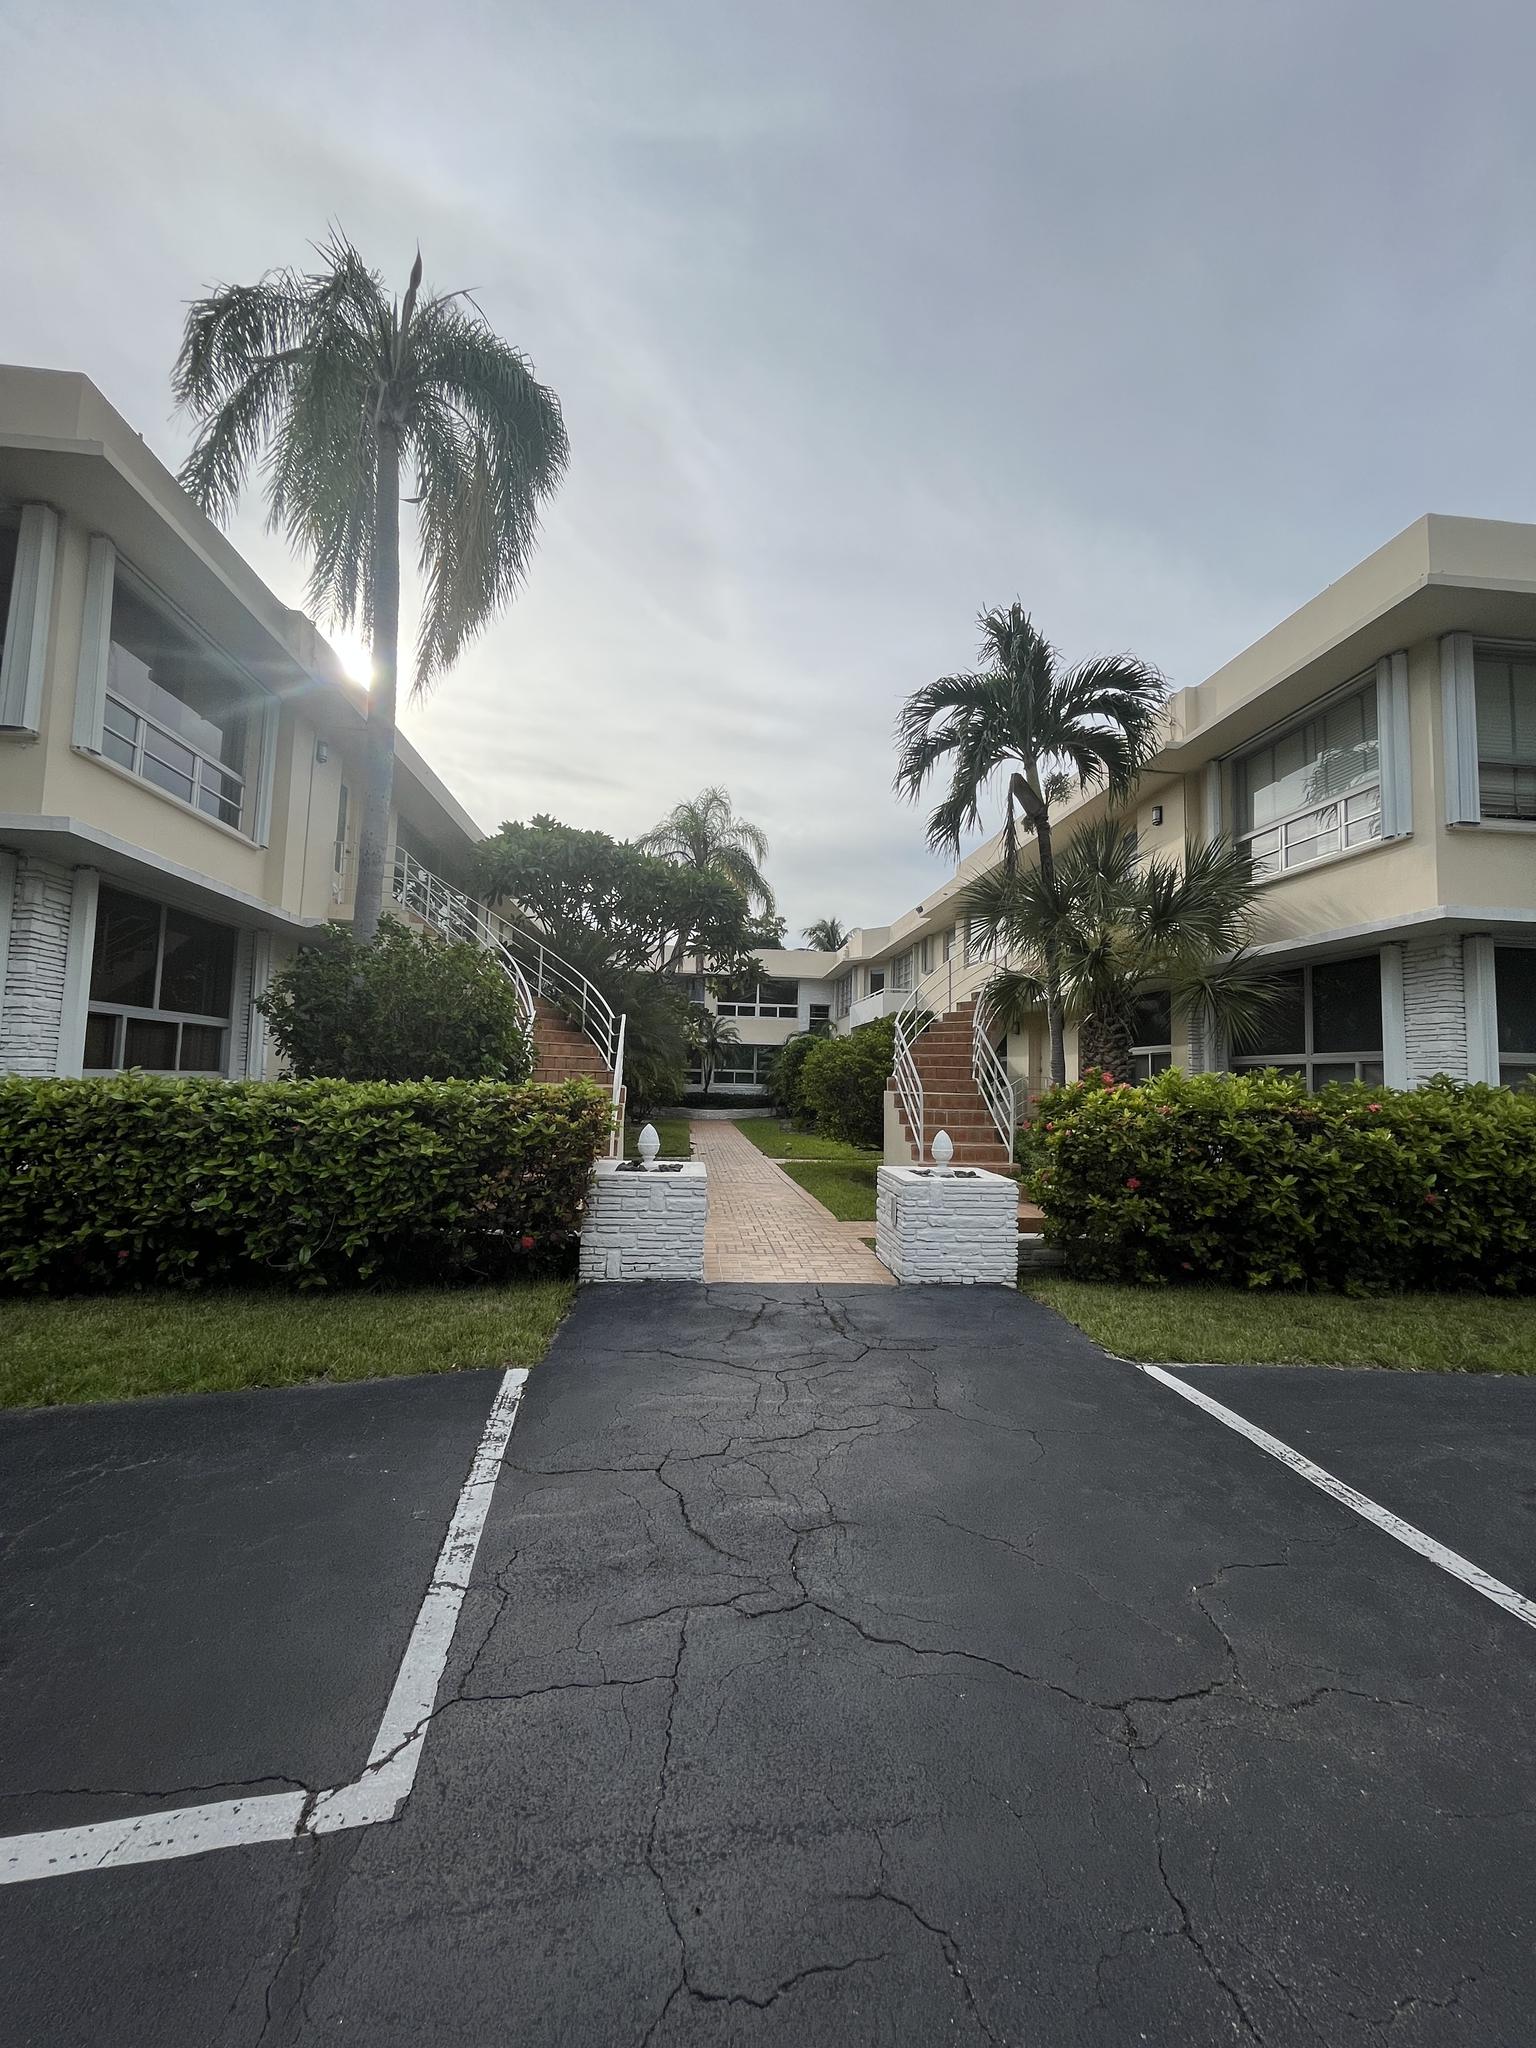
161,986
925,956
770,998
949,943
1326,1025
739,1066
1152,1034
1506,735
842,994
1514,980
877,981
1313,790
819,1017
176,712
901,973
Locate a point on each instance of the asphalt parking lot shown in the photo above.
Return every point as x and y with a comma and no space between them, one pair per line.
838,1666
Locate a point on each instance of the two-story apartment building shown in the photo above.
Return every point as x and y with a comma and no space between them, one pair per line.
791,995
181,760
1377,752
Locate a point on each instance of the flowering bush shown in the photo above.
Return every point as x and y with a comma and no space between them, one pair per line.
1246,1180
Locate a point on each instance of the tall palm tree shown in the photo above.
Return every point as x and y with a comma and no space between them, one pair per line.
826,935
1119,929
1048,728
704,833
343,394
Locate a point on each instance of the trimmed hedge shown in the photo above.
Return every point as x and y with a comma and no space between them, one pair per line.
1246,1180
141,1182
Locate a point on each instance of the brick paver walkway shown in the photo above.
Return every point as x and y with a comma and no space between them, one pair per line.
764,1226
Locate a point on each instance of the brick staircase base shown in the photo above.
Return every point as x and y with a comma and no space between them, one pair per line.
951,1100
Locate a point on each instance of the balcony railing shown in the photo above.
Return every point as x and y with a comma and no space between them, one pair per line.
152,751
1307,835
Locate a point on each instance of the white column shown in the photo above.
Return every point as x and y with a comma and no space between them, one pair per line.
1210,800
260,822
1458,708
95,643
7,898
256,1031
1482,1008
1394,1019
25,653
1395,745
77,971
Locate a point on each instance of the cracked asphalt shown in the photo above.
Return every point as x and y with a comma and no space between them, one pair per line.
841,1666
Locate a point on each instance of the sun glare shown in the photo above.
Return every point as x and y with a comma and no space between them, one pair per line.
352,653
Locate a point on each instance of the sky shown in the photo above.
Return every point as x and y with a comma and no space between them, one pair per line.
1156,314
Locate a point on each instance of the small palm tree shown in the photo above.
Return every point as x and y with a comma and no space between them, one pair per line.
342,392
711,1037
705,834
1119,929
1048,728
826,935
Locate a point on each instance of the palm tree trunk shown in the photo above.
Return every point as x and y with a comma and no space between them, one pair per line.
1053,1012
379,790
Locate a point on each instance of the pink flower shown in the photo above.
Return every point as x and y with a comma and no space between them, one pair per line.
1373,1106
1133,1183
1049,1125
526,1243
1430,1200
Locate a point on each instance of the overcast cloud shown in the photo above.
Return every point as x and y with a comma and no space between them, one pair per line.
1157,313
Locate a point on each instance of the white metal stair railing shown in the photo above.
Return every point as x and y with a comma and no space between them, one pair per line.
533,968
989,1070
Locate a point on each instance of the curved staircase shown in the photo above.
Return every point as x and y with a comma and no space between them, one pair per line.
576,1033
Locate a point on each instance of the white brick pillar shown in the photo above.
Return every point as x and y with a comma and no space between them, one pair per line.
957,1229
644,1224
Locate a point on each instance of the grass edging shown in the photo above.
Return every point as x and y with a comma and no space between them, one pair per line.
1471,1333
125,1347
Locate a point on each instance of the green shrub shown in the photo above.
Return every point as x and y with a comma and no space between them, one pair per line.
408,1007
787,1080
141,1182
1246,1180
843,1082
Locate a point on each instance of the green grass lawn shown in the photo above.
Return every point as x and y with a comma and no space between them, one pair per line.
848,1190
672,1131
121,1346
1228,1326
781,1140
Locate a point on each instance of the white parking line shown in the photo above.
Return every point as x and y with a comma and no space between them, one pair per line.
1383,1518
379,1789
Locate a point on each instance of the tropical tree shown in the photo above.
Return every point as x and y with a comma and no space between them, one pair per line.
826,935
705,834
1117,929
710,1037
1047,728
347,397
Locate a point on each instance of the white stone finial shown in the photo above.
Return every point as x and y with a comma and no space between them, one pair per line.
648,1144
943,1150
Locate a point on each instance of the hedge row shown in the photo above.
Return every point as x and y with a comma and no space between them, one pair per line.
1247,1180
137,1182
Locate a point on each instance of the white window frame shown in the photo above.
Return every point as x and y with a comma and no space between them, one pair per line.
125,1013
1498,650
91,698
1161,1053
1314,813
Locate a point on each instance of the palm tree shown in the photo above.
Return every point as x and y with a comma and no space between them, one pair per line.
1051,729
710,1037
705,834
342,392
1120,929
826,935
